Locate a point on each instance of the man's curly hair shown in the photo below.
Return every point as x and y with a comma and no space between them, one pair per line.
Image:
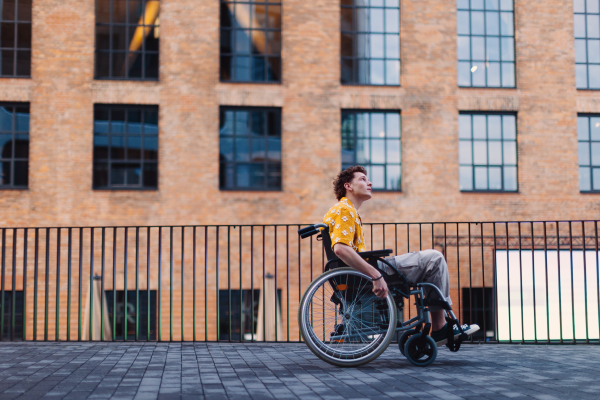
344,177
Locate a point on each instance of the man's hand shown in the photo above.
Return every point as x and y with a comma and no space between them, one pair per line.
380,288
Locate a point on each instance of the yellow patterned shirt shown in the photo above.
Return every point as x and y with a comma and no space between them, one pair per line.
345,225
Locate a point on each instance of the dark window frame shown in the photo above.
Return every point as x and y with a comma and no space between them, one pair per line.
586,40
590,166
141,316
266,163
141,161
13,332
233,54
488,165
354,59
485,36
355,139
15,49
141,54
12,159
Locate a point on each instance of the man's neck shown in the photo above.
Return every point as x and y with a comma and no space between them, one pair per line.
355,201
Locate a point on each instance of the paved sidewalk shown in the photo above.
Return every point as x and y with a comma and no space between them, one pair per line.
290,371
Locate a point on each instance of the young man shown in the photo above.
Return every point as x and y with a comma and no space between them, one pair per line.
352,188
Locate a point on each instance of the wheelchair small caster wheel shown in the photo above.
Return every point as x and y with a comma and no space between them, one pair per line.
418,353
404,338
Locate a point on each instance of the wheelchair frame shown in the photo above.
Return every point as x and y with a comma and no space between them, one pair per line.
399,288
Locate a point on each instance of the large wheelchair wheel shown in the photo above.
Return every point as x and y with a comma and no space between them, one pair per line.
342,321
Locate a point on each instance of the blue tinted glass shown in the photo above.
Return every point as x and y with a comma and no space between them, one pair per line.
6,119
492,20
463,47
506,23
493,48
584,153
242,149
462,23
392,125
584,179
21,119
477,23
466,178
583,128
392,20
226,152
227,122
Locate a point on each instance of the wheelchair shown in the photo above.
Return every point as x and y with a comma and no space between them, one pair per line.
345,324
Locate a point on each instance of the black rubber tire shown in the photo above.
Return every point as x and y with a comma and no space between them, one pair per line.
420,357
404,338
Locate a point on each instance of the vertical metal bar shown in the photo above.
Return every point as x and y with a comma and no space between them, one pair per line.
457,263
35,279
252,280
508,283
70,237
533,274
470,278
299,279
546,277
25,284
148,322
182,282
194,266
125,295
91,337
102,285
229,280
14,284
137,283
408,251
483,282
80,283
47,286
56,317
241,291
171,283
495,291
521,285
559,281
263,287
587,336
597,276
2,284
287,279
275,242
572,289
217,287
205,283
114,276
159,303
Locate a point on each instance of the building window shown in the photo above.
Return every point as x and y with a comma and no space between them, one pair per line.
372,139
142,317
478,308
14,146
488,152
125,147
15,38
12,332
486,43
370,42
250,148
127,36
588,134
251,41
587,44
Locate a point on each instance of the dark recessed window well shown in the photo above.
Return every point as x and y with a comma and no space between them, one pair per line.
134,316
13,312
370,42
487,152
251,41
127,37
125,147
587,43
14,145
588,135
486,43
250,148
372,139
15,38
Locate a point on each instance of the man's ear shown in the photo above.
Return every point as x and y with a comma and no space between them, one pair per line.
347,186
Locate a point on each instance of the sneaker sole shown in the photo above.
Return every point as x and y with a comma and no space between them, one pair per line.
474,328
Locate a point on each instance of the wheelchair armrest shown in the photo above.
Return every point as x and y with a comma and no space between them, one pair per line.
375,253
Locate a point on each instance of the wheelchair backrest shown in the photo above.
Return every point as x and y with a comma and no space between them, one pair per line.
327,245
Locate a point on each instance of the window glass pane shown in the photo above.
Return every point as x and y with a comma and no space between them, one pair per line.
274,176
242,150
7,62
362,152
493,74
464,126
21,173
22,119
393,177
392,72
462,23
594,76
258,150
466,178
377,46
362,45
593,30
580,51
495,152
117,124
509,127
21,146
150,148
362,72
392,46
377,176
465,152
492,49
481,179
508,74
100,175
392,125
117,147
464,74
596,154
274,17
392,20
6,119
592,6
584,153
134,148
510,153
595,124
5,145
583,131
495,178
273,149
595,181
593,51
242,176
347,46
226,122
508,49
494,126
491,5
378,151
506,24
492,20
581,76
480,152
478,73
362,19
579,6
479,127
24,36
150,175
376,20
377,125
134,122
477,23
463,4
477,48
346,19
579,25
393,151
5,173
151,122
585,179
477,4
377,76
362,125
464,48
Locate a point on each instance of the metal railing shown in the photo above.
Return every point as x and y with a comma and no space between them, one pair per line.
524,282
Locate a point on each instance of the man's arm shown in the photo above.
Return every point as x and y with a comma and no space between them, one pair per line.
352,259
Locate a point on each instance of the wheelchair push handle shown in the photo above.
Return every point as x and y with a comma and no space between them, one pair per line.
310,230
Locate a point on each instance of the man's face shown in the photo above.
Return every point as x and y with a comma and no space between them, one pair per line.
359,186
